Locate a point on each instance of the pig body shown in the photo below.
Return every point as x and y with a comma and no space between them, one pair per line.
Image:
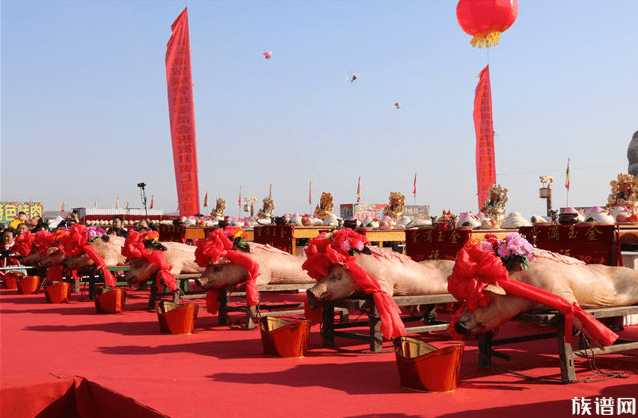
590,285
181,258
275,267
397,275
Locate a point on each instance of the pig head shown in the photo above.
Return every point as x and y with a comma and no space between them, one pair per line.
222,274
181,258
338,284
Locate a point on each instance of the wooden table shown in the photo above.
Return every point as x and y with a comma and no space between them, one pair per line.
565,350
379,236
284,237
374,336
253,313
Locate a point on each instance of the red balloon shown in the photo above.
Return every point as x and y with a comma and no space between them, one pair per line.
486,19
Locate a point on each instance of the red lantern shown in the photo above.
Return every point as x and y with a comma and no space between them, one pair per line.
486,19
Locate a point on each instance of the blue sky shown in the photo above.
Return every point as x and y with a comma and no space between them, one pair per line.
85,112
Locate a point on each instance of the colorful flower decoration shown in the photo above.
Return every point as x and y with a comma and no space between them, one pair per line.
238,236
267,54
95,232
513,249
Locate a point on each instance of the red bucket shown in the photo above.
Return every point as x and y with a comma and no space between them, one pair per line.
425,368
28,285
11,279
175,318
284,338
110,302
58,292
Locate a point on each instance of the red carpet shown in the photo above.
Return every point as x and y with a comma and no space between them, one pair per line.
122,362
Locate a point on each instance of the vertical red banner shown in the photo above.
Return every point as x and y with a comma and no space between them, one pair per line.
182,116
485,164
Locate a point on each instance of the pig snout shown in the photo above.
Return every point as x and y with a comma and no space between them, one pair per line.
316,296
201,282
461,327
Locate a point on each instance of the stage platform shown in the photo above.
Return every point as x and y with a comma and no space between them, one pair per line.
219,371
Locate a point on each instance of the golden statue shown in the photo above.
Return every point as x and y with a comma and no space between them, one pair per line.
395,206
267,210
494,205
624,192
218,212
324,208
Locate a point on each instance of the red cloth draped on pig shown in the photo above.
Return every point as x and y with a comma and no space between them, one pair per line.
326,250
134,248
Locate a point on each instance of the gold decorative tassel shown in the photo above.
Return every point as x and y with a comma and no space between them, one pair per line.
486,40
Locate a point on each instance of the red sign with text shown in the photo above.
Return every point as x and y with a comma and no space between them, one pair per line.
485,164
182,116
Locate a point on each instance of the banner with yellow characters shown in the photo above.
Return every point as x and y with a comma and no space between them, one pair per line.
9,210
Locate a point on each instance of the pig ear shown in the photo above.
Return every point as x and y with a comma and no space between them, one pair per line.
366,250
105,238
494,288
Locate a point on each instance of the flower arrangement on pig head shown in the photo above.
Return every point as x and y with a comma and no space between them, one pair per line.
151,241
347,240
238,236
512,249
94,232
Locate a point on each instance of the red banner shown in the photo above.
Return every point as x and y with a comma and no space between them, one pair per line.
182,116
485,165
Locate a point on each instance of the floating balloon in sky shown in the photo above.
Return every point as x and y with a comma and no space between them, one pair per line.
267,54
351,76
485,20
397,105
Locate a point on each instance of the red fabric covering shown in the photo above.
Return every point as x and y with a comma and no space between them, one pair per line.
50,397
475,269
314,315
54,273
76,243
134,248
24,243
212,301
326,250
216,246
210,372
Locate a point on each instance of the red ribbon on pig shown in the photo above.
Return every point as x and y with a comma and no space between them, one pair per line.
24,243
475,268
76,243
218,245
134,248
323,252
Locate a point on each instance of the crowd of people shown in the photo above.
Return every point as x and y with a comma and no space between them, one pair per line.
23,223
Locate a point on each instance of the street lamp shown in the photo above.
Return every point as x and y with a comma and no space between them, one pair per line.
143,196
